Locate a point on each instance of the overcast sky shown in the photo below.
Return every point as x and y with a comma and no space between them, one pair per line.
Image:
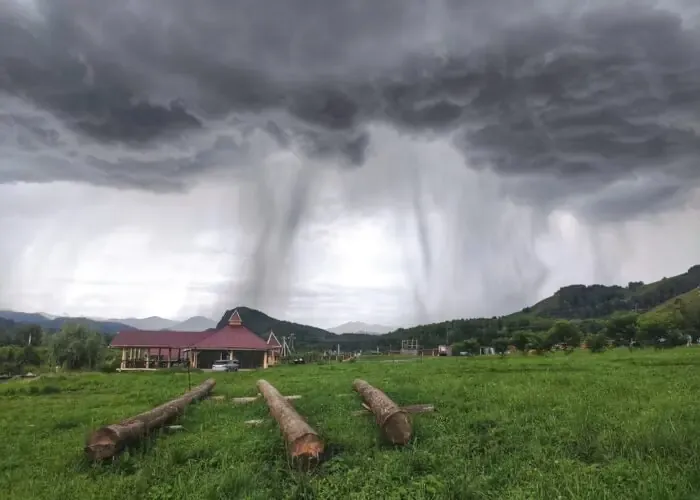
387,162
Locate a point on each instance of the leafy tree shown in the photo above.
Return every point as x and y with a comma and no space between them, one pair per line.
653,327
622,327
521,341
500,345
29,334
566,333
470,345
77,347
597,342
15,360
542,343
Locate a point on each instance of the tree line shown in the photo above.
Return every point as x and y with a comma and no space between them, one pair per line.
26,347
670,327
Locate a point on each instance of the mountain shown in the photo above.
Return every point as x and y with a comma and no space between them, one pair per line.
359,327
22,317
106,327
305,336
193,324
596,301
589,305
150,323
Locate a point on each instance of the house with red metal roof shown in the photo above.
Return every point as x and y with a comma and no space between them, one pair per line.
150,350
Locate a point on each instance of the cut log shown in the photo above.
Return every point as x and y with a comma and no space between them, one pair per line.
111,440
392,420
303,443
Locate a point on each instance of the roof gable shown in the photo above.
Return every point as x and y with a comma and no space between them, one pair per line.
233,337
235,319
272,340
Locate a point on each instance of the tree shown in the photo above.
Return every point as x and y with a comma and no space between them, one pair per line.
652,328
597,342
29,334
521,341
500,345
77,347
470,345
541,343
566,333
622,327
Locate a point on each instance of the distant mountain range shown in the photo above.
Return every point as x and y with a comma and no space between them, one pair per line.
112,325
49,322
150,323
583,303
359,327
194,324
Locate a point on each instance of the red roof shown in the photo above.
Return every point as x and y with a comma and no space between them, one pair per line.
233,337
173,340
229,337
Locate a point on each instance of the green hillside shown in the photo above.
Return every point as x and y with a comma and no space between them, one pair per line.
593,309
597,301
688,300
305,336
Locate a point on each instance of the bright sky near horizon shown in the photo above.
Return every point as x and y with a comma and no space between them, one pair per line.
325,162
137,254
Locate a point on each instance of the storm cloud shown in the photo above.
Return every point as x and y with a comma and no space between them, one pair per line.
594,108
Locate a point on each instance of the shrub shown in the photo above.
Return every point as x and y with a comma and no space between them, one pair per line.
597,343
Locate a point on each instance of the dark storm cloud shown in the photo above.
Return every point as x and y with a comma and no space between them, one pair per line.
593,95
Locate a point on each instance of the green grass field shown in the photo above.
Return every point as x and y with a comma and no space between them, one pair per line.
619,425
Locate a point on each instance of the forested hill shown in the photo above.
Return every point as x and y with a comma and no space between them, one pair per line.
305,336
590,308
596,301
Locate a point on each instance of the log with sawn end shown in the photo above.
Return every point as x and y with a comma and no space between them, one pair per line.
394,422
109,441
303,443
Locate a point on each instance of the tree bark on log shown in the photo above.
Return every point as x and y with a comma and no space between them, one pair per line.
303,443
392,420
109,441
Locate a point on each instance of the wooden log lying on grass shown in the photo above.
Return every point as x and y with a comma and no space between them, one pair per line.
303,443
391,419
110,440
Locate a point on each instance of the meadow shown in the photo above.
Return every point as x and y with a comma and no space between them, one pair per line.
619,425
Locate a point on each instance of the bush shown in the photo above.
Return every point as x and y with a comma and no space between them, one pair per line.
76,347
15,360
597,343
